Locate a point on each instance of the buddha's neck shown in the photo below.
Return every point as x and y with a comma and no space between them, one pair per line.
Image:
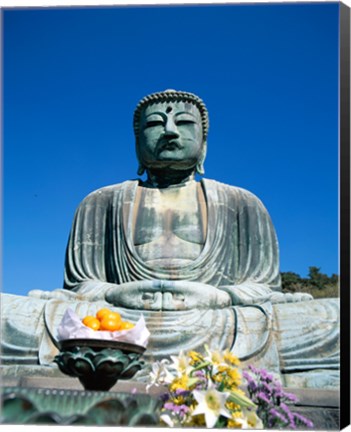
168,178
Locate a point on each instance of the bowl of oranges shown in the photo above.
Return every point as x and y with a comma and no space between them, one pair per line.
99,350
107,320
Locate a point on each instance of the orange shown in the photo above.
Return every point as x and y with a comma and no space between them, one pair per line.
110,323
102,312
114,315
91,322
126,325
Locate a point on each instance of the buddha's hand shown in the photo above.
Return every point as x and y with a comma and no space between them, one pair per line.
167,295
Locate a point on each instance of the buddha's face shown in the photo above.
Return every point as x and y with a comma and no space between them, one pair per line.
170,136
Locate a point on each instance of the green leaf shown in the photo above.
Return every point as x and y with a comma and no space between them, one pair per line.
192,381
240,399
200,366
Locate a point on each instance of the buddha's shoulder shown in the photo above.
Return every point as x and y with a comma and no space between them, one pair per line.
107,193
232,192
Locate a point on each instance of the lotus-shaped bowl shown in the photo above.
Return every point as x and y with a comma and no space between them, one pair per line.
97,363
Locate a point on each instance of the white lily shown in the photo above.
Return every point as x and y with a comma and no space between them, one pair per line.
160,375
253,420
213,356
211,402
216,358
181,364
167,419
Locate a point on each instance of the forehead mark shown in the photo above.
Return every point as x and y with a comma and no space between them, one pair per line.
169,109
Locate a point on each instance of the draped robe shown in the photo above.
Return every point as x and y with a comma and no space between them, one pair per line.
240,256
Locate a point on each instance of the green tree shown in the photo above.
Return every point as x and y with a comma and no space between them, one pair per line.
291,282
318,284
318,279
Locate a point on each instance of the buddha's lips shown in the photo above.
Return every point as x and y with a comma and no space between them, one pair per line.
170,145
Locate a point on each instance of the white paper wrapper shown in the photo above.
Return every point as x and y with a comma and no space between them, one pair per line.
71,327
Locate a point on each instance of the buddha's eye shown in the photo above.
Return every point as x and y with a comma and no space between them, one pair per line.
152,123
181,122
184,119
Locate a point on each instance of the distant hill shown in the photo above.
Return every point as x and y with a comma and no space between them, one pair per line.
318,284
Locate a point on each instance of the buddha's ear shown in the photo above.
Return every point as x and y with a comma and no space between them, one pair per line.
141,168
200,164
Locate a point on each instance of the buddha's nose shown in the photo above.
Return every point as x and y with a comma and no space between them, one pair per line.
171,128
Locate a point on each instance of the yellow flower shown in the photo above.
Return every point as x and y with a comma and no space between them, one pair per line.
234,424
232,406
179,383
218,378
178,400
241,392
231,358
234,375
197,420
195,357
221,368
229,377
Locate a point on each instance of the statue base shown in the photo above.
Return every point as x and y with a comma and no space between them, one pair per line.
57,399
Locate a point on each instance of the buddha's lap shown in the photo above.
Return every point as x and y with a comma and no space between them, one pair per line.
24,319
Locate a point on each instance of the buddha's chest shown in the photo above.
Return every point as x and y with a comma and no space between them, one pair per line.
169,224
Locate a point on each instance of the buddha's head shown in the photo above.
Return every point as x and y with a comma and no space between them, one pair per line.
171,130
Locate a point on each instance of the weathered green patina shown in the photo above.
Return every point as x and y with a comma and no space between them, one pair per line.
199,259
99,364
75,407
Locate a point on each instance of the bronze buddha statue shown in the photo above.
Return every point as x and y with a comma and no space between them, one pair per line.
199,260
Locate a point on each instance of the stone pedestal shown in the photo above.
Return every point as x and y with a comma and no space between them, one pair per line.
38,399
320,406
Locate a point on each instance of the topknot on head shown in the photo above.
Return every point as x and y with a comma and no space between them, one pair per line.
171,95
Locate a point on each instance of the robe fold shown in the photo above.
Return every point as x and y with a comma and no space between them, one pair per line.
241,244
240,256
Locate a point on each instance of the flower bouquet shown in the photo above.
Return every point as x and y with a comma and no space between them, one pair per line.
209,390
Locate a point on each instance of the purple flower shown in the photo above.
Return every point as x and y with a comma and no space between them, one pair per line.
251,383
265,375
247,376
303,420
176,409
278,392
182,392
262,396
183,409
278,415
252,387
273,402
253,369
169,406
267,388
290,415
199,374
164,397
290,397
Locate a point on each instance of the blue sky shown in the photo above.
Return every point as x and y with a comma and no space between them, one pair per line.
73,76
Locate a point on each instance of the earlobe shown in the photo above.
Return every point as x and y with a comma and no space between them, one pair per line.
141,170
200,168
200,165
